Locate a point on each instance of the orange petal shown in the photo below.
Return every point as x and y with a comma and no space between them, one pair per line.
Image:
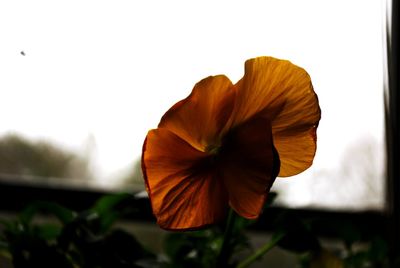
283,93
297,151
183,192
200,118
249,166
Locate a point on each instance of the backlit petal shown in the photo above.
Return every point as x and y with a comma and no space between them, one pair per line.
283,93
296,151
200,118
249,166
183,191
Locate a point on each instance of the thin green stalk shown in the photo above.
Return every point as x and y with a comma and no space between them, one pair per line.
261,251
225,251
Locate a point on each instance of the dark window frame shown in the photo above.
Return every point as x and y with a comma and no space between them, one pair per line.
392,104
81,198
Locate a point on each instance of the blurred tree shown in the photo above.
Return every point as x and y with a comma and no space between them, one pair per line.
134,175
20,156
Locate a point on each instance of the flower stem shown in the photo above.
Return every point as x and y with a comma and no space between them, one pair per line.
261,251
224,254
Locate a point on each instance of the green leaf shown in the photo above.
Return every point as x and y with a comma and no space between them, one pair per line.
47,231
65,215
107,220
109,208
241,223
193,249
109,202
177,244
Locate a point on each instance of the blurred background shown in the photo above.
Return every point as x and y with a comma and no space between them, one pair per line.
83,81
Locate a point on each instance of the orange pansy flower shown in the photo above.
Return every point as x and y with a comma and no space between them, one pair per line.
224,145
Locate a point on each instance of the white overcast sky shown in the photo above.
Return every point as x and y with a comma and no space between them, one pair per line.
110,69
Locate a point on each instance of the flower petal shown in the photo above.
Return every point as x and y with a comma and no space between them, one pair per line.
296,151
183,192
200,118
249,166
283,93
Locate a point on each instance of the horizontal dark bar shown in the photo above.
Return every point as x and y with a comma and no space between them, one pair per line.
14,197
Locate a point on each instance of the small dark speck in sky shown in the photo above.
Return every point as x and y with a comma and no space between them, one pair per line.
22,53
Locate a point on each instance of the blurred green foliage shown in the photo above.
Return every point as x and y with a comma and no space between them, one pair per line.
89,239
83,239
